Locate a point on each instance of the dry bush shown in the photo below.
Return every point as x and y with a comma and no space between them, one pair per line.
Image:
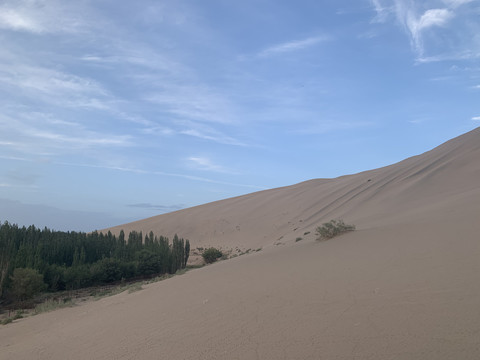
332,228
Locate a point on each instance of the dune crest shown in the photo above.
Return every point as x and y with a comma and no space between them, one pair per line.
370,198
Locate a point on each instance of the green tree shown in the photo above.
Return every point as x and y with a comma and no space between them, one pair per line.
187,251
26,283
106,270
149,263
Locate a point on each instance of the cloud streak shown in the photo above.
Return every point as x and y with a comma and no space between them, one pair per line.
292,46
205,164
162,173
41,134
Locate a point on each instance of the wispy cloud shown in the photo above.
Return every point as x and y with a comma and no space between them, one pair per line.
193,102
291,46
323,127
162,173
53,86
206,164
42,16
382,11
476,118
14,20
40,133
152,85
430,27
416,25
207,132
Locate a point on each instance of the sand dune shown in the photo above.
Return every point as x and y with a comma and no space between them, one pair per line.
370,198
405,285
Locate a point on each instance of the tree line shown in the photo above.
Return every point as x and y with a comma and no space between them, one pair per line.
73,260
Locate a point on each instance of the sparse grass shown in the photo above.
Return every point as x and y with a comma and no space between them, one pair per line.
298,239
181,271
131,288
195,266
6,321
135,287
306,233
18,315
51,305
333,228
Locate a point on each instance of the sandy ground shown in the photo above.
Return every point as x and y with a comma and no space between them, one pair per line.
405,285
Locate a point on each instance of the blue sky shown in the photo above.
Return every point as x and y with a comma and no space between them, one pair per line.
113,111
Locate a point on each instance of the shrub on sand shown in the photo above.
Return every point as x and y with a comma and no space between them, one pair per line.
333,228
211,255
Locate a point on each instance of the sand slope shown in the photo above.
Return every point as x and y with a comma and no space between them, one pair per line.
371,198
404,286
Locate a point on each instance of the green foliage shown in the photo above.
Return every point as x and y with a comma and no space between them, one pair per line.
149,263
107,270
18,315
187,251
76,277
26,283
211,255
72,260
333,228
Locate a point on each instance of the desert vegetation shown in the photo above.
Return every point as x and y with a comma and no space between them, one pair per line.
33,260
333,228
211,255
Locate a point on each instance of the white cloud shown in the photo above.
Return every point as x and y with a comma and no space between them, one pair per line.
476,118
14,20
193,102
42,16
434,17
205,164
42,134
417,25
292,46
208,133
162,173
53,86
382,11
437,33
